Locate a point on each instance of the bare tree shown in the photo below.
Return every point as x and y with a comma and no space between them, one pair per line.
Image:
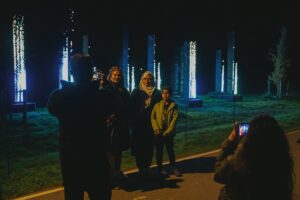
280,62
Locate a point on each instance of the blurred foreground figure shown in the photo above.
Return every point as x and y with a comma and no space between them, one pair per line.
257,165
83,110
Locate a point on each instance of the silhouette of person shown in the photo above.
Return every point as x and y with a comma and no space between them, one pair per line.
143,99
258,165
83,110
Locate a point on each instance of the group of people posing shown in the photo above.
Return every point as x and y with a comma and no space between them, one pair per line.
99,119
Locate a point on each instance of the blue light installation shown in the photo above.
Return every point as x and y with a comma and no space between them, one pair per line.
158,76
64,67
132,78
235,78
127,75
223,77
192,76
19,57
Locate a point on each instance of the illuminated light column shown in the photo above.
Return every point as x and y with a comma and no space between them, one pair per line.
151,54
223,77
235,78
125,58
154,72
132,78
192,77
230,63
218,77
64,67
127,77
158,76
19,57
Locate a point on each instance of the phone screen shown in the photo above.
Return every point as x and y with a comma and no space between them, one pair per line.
243,129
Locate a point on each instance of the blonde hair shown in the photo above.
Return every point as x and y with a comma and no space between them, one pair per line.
113,69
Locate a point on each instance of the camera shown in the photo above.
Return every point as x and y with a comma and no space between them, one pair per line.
243,129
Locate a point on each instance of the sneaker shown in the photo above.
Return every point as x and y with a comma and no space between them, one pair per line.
177,172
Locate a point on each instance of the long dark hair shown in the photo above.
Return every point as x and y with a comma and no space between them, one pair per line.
267,159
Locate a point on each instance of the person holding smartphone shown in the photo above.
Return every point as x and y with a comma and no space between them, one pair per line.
248,164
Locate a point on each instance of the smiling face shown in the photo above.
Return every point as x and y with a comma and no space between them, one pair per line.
147,80
115,77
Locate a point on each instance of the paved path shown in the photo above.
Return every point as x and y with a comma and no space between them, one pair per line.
195,184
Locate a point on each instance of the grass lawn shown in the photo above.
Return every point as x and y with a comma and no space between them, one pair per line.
29,158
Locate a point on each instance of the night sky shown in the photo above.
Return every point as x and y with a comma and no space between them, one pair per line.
257,27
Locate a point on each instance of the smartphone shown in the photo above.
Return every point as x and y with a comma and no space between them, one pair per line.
243,129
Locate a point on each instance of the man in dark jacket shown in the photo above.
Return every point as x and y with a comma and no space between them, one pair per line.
83,112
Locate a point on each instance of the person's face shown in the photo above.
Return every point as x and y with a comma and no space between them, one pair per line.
165,95
115,77
147,80
101,77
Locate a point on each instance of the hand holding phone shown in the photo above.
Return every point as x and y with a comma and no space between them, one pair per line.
243,129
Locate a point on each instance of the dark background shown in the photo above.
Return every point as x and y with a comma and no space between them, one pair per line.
257,28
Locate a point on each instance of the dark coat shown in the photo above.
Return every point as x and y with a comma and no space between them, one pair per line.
227,173
82,111
120,138
241,183
140,118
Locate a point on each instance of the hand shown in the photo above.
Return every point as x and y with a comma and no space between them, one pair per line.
157,132
111,120
234,133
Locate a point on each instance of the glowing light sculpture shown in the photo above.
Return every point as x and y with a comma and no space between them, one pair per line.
192,77
223,77
236,79
127,80
19,57
132,78
64,67
158,76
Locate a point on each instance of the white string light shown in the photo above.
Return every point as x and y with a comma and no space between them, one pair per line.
236,79
132,79
192,80
19,57
158,76
223,78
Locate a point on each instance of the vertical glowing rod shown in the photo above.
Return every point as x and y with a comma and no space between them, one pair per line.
132,78
223,78
158,76
19,58
236,79
64,68
128,76
192,81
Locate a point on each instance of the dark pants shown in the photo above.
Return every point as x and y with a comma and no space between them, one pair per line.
89,173
160,142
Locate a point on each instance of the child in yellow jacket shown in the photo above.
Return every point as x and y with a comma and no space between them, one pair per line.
163,119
